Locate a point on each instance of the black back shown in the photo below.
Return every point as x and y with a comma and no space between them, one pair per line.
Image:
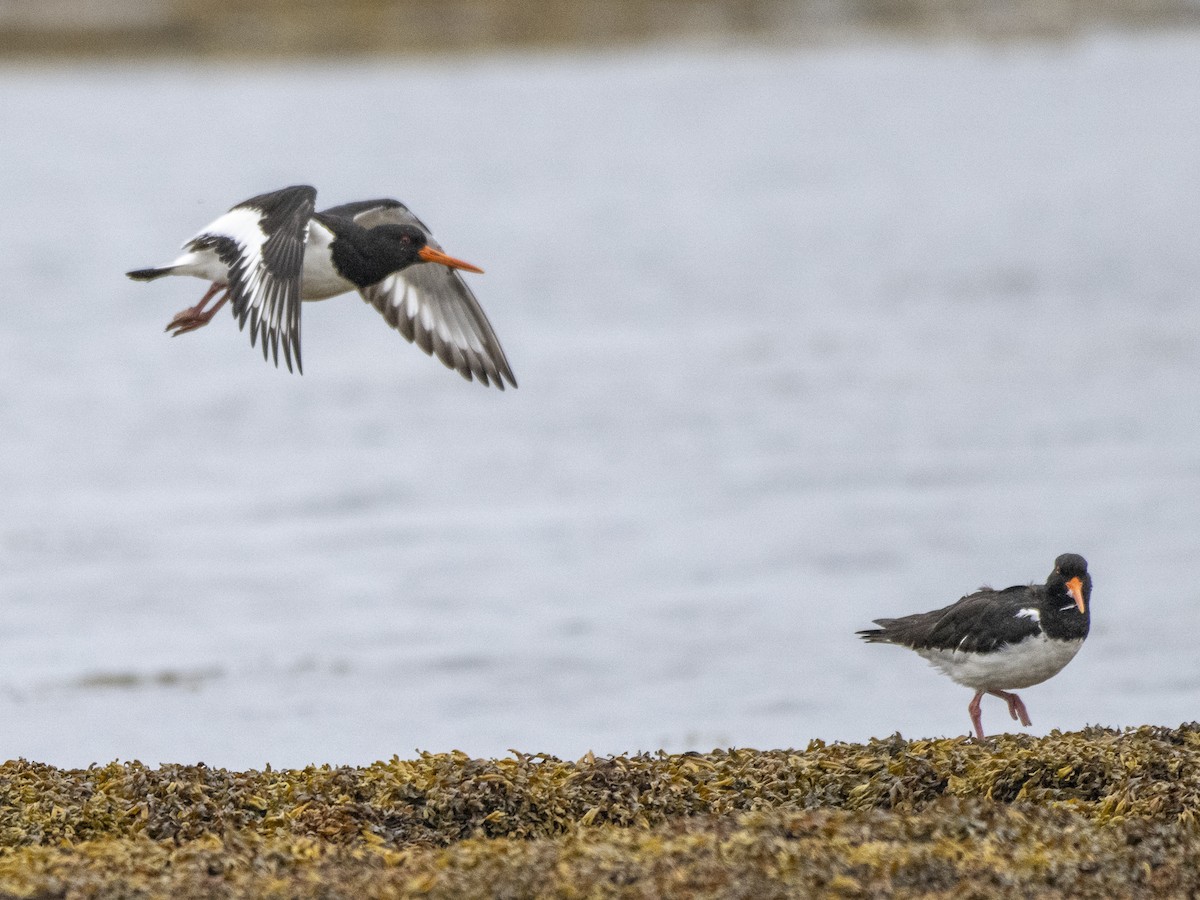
398,212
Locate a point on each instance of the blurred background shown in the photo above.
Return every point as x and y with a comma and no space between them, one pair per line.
821,311
285,28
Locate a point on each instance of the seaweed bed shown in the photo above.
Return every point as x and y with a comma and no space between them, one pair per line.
1098,813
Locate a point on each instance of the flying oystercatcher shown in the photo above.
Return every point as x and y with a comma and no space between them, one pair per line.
273,251
995,641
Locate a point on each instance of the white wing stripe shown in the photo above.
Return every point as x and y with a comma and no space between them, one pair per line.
454,329
242,226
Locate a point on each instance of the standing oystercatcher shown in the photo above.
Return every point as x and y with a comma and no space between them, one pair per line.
273,251
994,641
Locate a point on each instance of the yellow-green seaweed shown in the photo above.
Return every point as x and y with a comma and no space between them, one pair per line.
1093,813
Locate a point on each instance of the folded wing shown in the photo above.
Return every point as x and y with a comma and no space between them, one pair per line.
980,622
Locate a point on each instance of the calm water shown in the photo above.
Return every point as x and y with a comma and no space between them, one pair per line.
804,338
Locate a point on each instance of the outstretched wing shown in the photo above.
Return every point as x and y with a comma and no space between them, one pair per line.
262,242
430,304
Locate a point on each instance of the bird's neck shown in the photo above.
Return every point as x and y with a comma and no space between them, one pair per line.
361,257
1061,618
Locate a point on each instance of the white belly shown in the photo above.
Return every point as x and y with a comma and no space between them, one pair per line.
201,263
1015,666
319,280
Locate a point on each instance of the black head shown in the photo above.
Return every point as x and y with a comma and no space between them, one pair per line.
409,244
405,241
1070,577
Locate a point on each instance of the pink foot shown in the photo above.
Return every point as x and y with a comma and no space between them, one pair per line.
1016,707
196,316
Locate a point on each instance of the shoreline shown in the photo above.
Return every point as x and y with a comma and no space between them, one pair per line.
225,29
1091,812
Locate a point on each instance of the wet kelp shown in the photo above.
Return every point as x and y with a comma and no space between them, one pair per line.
1097,812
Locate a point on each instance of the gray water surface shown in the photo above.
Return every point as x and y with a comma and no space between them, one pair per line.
804,338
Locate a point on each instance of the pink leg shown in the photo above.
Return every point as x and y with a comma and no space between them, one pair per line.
199,307
976,714
195,316
1016,707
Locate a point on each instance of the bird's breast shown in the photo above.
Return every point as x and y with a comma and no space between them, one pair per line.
1008,667
320,279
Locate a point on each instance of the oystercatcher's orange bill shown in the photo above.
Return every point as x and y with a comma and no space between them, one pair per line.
1075,586
428,254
